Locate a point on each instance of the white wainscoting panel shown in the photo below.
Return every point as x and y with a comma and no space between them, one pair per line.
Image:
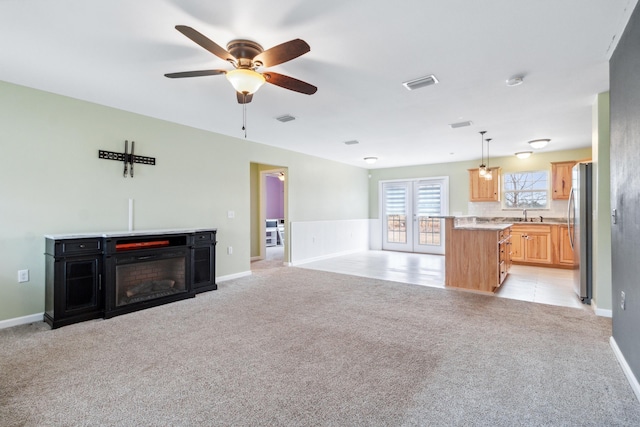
315,240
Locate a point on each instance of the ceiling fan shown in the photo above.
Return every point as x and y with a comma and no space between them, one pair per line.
247,56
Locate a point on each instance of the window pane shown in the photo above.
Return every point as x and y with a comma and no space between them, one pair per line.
526,189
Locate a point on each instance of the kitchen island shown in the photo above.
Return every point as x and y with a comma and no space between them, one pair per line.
477,256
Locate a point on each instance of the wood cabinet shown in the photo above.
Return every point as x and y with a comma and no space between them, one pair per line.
476,259
483,190
561,179
203,261
90,277
563,247
73,288
532,244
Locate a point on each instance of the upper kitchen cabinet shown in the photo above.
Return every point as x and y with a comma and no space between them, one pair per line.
484,190
561,179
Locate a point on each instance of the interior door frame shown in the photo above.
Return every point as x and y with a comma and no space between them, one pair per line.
263,211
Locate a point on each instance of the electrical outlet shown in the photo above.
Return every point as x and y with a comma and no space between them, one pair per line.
230,250
622,300
23,276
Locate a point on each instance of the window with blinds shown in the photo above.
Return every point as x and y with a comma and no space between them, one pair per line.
395,204
428,202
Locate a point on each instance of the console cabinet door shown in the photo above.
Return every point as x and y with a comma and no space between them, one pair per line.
79,286
203,262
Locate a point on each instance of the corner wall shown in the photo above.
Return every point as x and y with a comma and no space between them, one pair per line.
625,196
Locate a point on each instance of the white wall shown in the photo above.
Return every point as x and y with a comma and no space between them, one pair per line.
314,240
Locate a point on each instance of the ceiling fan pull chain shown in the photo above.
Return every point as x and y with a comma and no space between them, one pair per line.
244,115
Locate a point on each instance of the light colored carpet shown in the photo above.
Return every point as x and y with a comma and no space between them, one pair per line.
291,346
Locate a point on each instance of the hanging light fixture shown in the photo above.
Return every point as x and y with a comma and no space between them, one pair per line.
482,169
488,176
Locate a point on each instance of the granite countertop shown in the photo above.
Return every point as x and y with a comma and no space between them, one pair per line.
124,233
483,226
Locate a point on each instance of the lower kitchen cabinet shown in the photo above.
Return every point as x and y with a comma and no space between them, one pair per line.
563,246
532,244
477,259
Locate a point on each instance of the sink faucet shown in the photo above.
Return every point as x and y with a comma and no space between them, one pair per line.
524,212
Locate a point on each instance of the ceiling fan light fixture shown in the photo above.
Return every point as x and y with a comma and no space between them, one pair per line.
245,81
539,143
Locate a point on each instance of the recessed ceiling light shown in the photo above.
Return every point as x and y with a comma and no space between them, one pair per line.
515,80
370,160
420,82
285,118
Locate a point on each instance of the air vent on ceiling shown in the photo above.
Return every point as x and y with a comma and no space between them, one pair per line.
420,82
285,118
352,142
460,124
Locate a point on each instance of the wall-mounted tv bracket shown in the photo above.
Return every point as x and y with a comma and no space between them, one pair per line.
127,158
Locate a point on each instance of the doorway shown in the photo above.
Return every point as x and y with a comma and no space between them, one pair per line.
271,216
406,210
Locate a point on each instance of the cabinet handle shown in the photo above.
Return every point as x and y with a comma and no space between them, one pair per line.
99,282
82,246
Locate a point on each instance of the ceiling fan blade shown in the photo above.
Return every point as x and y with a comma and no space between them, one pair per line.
194,73
289,83
283,52
244,99
206,43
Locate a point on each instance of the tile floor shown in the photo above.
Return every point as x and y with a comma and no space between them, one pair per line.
535,284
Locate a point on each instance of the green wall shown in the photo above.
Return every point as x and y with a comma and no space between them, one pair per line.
602,203
53,182
459,176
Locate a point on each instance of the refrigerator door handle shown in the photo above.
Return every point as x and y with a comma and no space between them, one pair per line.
571,209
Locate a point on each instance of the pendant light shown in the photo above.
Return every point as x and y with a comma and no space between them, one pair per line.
482,169
488,176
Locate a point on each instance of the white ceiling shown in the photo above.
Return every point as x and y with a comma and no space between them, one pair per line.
116,53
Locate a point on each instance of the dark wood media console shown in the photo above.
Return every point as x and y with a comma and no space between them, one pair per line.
105,275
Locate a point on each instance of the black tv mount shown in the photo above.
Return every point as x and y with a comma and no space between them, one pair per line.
127,158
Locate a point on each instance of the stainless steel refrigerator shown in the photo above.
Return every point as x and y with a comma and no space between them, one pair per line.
579,219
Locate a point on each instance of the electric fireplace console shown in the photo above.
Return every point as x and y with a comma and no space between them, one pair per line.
90,276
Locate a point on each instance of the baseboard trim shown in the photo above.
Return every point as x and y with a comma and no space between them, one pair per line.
601,311
233,276
24,320
633,381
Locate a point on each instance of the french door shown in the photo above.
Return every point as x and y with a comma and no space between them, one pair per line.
406,210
